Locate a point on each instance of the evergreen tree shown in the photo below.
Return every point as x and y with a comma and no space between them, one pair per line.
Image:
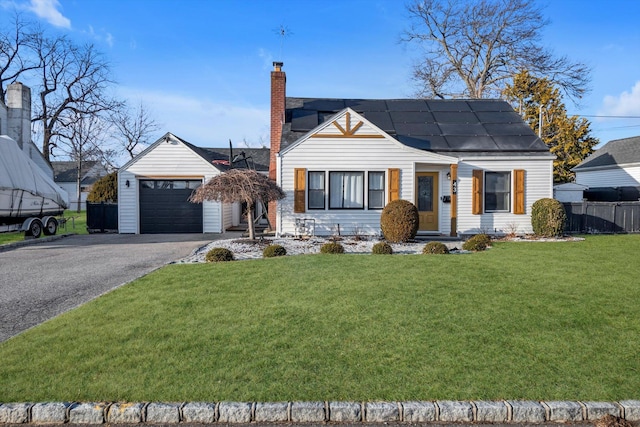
568,137
105,189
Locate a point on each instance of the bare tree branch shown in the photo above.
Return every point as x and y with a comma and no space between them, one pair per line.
132,128
239,185
16,57
473,48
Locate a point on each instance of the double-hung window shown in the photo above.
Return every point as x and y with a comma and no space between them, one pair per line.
376,190
497,191
346,190
316,190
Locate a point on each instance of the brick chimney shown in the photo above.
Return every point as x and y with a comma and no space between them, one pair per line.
278,96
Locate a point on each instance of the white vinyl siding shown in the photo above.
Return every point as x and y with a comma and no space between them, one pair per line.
622,176
173,160
538,185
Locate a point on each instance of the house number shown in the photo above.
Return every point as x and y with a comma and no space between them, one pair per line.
454,186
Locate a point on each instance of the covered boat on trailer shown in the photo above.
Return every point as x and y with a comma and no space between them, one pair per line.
29,198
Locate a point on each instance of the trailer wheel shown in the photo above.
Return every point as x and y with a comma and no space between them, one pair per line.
35,228
50,226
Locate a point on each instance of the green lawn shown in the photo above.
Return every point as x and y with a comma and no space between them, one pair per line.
79,219
520,321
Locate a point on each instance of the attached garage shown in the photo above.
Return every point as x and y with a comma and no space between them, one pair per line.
165,207
154,188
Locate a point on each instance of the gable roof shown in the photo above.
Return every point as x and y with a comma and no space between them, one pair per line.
216,157
448,127
613,153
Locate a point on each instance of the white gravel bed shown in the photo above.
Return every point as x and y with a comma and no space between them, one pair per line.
244,249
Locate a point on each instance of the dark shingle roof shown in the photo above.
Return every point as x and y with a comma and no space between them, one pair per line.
66,171
613,153
444,126
258,158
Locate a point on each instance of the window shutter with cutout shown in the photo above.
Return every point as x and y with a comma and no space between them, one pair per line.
394,185
476,191
299,187
518,193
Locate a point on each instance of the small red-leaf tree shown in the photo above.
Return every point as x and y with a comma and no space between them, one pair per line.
239,185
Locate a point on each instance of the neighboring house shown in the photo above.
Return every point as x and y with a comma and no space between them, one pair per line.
569,192
469,166
15,122
154,187
65,174
616,164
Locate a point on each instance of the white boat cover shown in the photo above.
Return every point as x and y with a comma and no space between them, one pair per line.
18,171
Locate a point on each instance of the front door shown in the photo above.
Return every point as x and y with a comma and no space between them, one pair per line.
427,200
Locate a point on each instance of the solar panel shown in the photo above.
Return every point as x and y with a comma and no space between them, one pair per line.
334,105
380,119
508,129
489,105
463,129
412,117
472,143
448,105
455,117
400,105
303,120
361,105
417,129
499,117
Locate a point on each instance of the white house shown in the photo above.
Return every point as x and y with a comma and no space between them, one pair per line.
65,174
468,165
154,188
616,164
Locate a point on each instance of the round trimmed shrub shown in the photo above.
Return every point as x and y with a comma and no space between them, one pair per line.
219,255
548,218
399,221
273,251
435,248
382,248
477,243
332,248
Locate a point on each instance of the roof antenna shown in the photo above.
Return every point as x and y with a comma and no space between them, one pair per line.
283,32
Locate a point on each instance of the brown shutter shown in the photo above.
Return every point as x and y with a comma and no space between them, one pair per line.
476,192
518,194
394,185
299,187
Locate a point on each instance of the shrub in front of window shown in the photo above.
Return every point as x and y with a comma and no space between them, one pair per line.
273,251
435,248
219,255
399,221
332,248
548,218
382,248
477,243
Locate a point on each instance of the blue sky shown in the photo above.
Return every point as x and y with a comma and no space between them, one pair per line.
202,67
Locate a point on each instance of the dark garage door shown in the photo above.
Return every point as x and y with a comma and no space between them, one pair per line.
165,207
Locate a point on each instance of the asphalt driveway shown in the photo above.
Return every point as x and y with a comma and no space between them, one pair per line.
40,281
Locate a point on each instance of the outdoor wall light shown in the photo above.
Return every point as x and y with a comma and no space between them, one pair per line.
127,183
448,176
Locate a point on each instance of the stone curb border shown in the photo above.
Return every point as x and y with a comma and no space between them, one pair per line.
314,412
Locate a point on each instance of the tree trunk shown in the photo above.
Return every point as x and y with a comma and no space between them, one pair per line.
79,183
250,224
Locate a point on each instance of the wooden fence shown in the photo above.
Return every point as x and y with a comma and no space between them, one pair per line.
602,217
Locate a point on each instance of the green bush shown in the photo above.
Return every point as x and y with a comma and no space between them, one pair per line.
477,243
219,255
382,248
273,251
105,189
332,248
435,248
399,221
548,218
